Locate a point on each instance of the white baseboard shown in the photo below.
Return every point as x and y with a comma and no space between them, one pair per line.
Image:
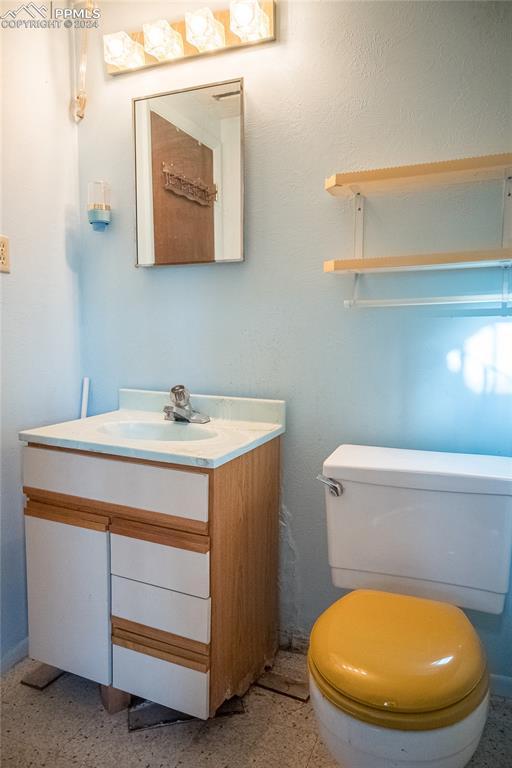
12,657
501,685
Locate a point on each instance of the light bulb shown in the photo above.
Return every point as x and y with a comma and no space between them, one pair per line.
203,31
162,41
243,13
248,21
120,50
198,24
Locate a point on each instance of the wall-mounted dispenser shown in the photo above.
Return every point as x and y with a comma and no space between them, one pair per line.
98,205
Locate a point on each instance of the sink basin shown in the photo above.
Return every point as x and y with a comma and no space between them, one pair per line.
170,431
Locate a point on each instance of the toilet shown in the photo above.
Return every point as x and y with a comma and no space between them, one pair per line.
397,673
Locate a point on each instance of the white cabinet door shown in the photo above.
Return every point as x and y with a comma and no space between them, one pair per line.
68,573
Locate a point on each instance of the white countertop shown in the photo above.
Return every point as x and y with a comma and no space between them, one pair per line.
237,425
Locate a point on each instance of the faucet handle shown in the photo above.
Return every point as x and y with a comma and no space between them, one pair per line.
169,413
180,396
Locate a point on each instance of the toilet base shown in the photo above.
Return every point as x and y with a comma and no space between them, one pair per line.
356,744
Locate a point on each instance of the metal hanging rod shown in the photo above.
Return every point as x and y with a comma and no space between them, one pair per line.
504,299
430,301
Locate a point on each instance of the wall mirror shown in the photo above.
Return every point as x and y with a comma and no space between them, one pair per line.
189,175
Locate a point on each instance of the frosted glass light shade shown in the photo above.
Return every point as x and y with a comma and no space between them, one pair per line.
120,50
203,31
162,41
98,195
248,20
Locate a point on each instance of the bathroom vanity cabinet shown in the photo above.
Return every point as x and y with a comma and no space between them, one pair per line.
158,579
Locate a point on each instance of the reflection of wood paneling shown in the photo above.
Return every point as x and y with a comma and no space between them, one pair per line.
183,229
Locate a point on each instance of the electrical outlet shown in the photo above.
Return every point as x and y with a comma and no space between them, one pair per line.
5,261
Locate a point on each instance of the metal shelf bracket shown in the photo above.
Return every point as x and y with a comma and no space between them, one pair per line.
505,288
358,226
506,232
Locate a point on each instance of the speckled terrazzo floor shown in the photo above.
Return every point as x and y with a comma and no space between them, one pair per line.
66,727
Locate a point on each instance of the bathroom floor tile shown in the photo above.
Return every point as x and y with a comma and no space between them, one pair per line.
495,749
110,746
11,680
292,665
19,754
49,717
104,740
65,726
320,757
274,731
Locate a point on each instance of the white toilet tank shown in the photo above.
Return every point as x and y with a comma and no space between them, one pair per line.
435,525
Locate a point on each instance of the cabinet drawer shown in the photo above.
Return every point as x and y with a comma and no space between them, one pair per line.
119,483
174,612
161,681
168,560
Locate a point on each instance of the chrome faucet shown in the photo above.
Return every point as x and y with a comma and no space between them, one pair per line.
180,408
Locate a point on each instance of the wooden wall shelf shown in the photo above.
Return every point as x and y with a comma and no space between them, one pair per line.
468,169
451,260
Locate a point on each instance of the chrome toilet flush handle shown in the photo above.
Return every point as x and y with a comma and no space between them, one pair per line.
335,488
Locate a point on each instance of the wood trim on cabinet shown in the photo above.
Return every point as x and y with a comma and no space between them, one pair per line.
244,530
156,645
185,643
67,516
104,508
153,533
135,644
130,459
159,645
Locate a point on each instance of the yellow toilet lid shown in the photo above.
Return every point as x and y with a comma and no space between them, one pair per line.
397,653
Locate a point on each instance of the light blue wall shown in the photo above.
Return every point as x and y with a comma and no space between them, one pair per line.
40,333
348,85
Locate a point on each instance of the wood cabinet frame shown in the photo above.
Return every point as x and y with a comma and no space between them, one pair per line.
241,536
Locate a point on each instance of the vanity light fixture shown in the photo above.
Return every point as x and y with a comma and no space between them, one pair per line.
162,41
202,31
121,50
98,205
248,20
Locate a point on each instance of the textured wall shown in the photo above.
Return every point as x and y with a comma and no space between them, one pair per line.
348,85
40,367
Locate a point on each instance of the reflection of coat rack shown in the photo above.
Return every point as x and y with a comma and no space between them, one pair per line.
193,189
